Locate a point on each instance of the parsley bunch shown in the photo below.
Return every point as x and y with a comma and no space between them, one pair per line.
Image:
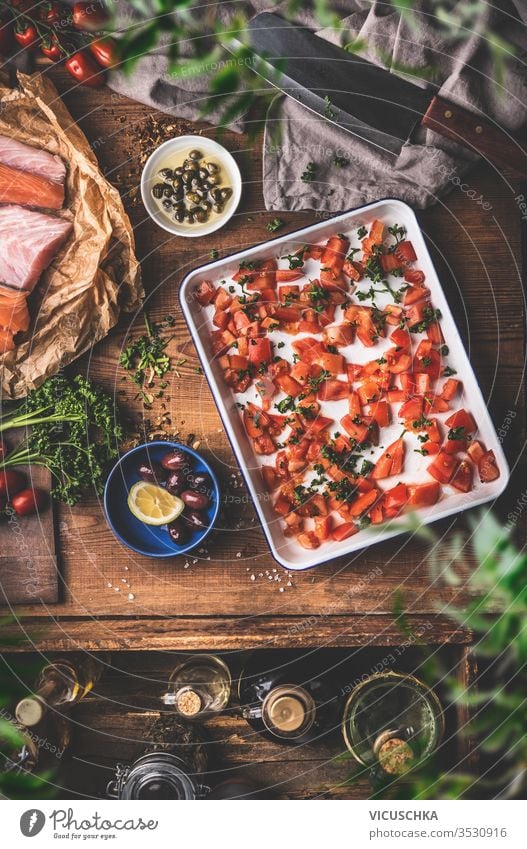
72,428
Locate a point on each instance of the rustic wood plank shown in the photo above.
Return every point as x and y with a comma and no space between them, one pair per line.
224,633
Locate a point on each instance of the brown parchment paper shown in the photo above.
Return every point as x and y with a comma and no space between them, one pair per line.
95,275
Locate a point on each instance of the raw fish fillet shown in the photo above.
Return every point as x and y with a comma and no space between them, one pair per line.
28,243
29,189
26,158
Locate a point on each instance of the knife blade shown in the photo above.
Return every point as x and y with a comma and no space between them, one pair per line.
364,99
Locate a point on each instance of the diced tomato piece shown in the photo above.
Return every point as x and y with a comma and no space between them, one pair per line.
380,412
444,467
390,462
353,270
358,430
287,314
282,506
415,293
463,477
376,233
369,391
401,338
390,262
476,451
353,371
220,319
399,363
316,426
334,254
488,467
276,422
264,444
334,363
422,383
412,409
361,318
323,527
282,465
308,539
417,312
454,446
376,513
255,420
414,276
205,293
395,396
271,479
288,385
424,494
260,351
450,388
405,251
408,383
364,502
344,531
300,372
222,299
288,293
308,349
354,404
435,404
333,390
396,497
428,362
462,419
284,275
339,335
434,333
393,314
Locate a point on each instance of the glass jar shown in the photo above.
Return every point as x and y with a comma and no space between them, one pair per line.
288,698
173,766
392,721
199,686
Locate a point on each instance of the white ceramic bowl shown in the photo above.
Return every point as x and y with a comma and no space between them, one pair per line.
175,148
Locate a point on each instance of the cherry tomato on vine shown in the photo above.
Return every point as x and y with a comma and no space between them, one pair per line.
51,49
106,51
11,482
90,17
26,34
85,69
53,12
28,501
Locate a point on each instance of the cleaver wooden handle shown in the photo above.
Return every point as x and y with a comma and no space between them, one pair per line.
477,135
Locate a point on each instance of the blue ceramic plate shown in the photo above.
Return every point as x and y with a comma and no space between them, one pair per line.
145,539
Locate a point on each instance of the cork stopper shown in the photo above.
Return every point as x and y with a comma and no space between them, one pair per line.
189,703
30,711
395,756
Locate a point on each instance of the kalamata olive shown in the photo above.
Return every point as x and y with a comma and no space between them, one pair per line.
206,205
151,472
212,168
187,176
175,459
193,197
216,194
190,217
218,207
178,172
167,173
195,154
178,532
176,481
203,174
226,193
166,204
195,519
214,180
201,481
195,500
158,190
201,216
180,216
178,184
168,191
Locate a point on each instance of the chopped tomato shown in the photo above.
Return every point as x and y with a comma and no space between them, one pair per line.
414,276
264,444
353,270
287,314
309,350
334,254
282,465
427,360
390,262
308,540
401,338
344,531
444,467
334,363
380,412
462,419
463,476
405,252
364,502
476,451
424,494
286,276
376,233
434,333
271,479
390,462
340,335
260,351
288,385
450,388
418,312
488,467
395,500
333,390
415,293
363,430
412,409
354,404
205,293
323,527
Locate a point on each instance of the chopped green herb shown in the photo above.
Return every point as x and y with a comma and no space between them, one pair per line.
275,224
310,172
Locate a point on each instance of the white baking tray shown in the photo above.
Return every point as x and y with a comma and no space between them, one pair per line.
286,550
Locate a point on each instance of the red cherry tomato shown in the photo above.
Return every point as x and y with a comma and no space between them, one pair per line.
85,69
105,51
28,501
11,482
90,17
50,48
26,35
53,12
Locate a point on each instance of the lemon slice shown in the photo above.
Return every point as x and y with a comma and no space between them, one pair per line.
153,505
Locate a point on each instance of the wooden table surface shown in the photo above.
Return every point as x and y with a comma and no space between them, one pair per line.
114,598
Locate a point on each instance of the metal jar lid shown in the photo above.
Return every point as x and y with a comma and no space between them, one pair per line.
156,775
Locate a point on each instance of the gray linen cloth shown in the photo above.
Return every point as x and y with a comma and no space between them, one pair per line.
465,69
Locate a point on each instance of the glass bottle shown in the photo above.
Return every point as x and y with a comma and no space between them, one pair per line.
392,721
36,750
287,698
200,685
173,766
64,681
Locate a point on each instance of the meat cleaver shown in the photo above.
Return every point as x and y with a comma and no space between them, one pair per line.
368,101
